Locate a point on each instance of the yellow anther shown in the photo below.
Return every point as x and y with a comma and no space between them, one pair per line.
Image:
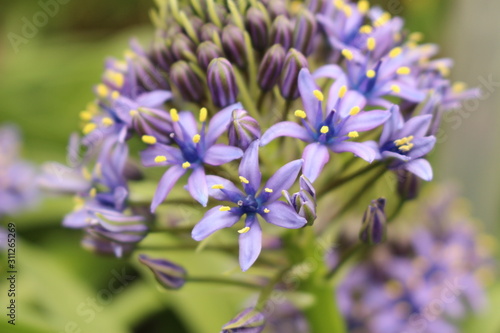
342,91
458,87
196,138
117,78
354,111
244,230
324,129
186,165
363,6
395,88
86,174
403,141
403,70
266,210
89,128
129,54
225,208
102,90
244,180
218,187
416,36
371,43
395,52
106,121
347,54
445,71
160,159
319,95
85,115
268,190
339,4
174,115
366,29
411,45
149,139
383,19
347,11
115,94
92,192
133,113
370,74
406,148
300,114
203,114
353,134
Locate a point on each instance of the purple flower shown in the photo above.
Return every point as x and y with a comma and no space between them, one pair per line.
343,121
168,274
195,148
304,201
251,203
405,143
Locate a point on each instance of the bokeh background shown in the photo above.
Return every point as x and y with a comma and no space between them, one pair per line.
47,81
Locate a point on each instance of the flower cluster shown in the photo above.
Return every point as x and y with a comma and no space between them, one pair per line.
235,101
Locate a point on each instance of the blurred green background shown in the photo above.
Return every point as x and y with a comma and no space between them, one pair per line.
47,82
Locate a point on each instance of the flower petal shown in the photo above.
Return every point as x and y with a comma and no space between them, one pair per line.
283,215
249,168
197,186
154,99
416,126
148,155
166,184
357,148
312,105
364,121
315,158
250,243
214,220
420,168
285,128
220,123
222,154
392,125
351,99
283,179
422,146
229,192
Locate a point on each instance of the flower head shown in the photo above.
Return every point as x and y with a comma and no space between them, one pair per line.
254,201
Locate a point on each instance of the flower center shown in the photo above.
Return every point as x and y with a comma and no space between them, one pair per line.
249,204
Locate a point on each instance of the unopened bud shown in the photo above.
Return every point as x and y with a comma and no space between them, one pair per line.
208,30
248,321
257,28
305,32
270,67
243,129
181,45
189,84
282,32
304,201
168,274
277,8
373,227
294,62
206,52
221,82
408,184
233,42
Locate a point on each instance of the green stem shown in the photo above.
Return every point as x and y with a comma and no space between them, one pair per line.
342,181
224,281
286,108
345,258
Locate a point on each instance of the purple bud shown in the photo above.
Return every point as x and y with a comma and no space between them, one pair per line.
189,84
243,129
277,8
374,221
257,28
206,52
305,32
181,45
294,62
148,76
233,43
221,82
168,274
316,6
105,247
208,30
408,184
304,201
248,321
282,32
270,67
